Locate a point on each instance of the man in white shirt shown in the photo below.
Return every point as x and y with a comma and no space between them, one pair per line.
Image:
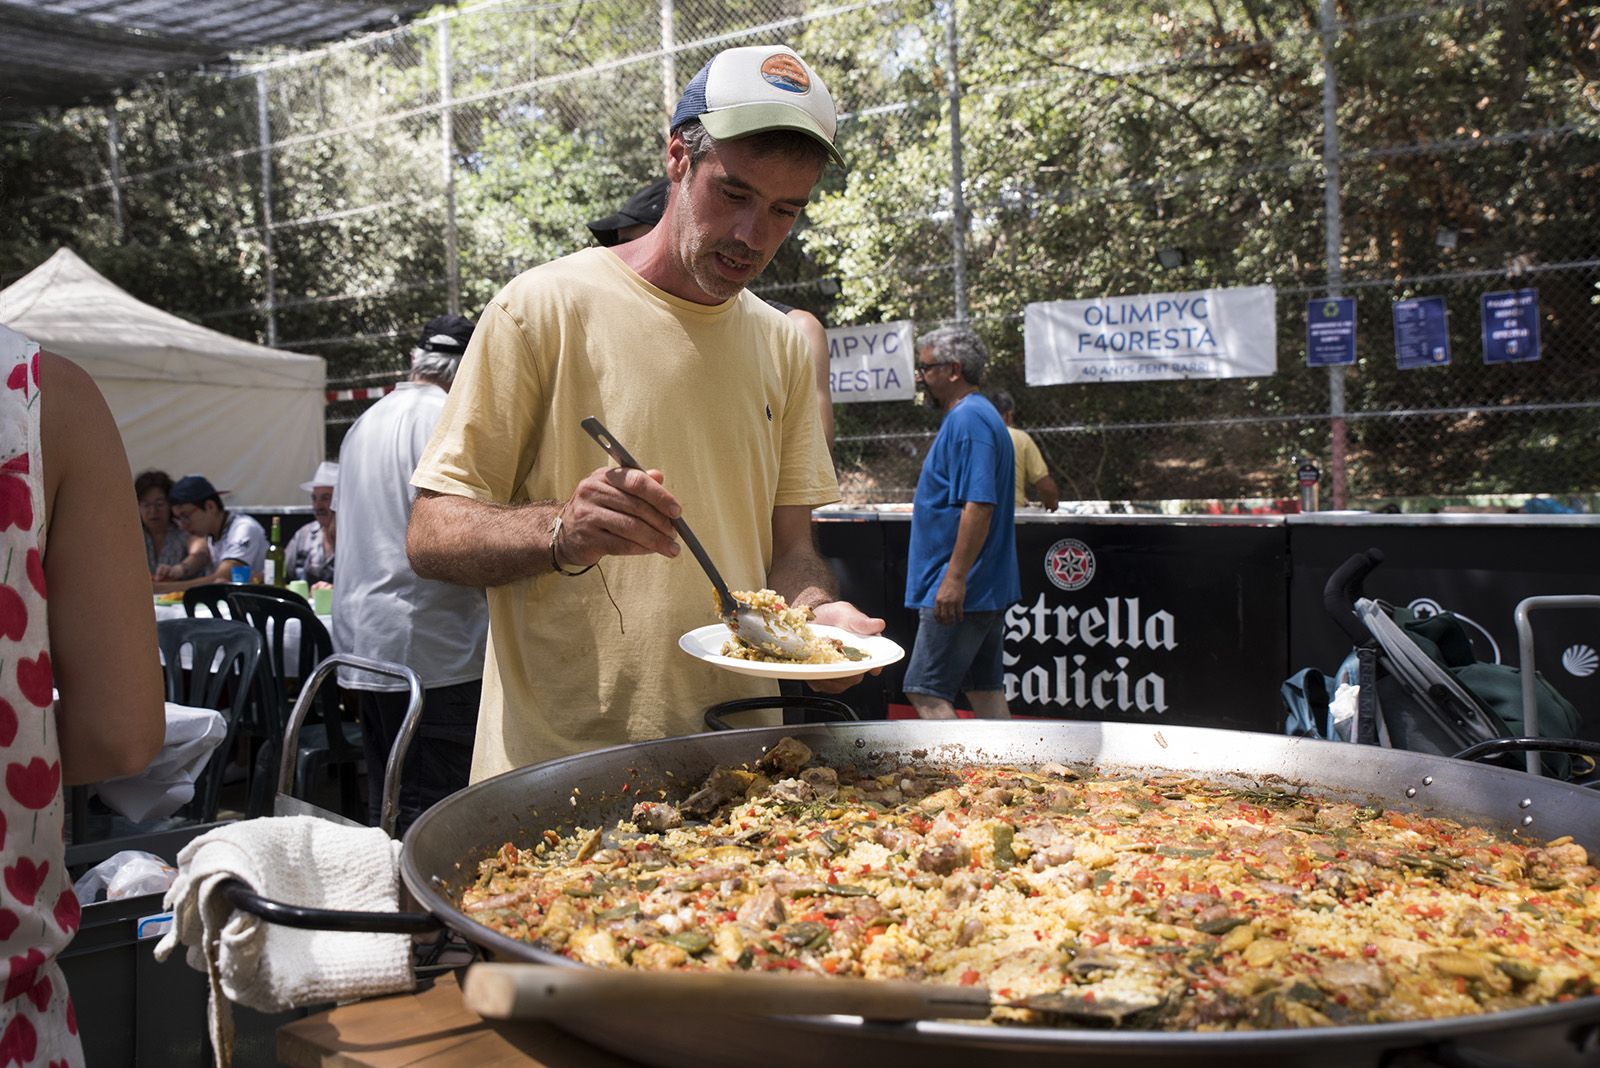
232,537
382,610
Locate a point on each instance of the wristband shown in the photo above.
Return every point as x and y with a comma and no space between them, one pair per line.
555,564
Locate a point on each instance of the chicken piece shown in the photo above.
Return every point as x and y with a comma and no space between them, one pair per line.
656,816
793,791
592,945
764,910
785,758
720,787
660,957
944,859
824,782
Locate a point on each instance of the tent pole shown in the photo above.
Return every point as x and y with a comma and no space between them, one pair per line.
264,138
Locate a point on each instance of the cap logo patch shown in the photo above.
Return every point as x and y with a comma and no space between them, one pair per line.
785,72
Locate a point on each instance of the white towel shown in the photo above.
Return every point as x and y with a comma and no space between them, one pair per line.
296,860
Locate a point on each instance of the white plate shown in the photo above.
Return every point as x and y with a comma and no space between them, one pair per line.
705,643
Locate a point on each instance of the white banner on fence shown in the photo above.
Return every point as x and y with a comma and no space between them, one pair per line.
1206,333
871,363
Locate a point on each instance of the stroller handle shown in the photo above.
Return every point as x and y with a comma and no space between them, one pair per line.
1342,590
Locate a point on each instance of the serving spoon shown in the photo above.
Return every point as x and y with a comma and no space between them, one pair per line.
757,627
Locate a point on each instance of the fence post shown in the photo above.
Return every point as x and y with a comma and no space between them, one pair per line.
958,202
447,131
114,156
264,139
669,62
1334,234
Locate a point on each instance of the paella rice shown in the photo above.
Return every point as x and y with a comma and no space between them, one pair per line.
1160,902
820,649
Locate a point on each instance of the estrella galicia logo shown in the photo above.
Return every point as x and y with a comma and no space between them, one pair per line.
1069,565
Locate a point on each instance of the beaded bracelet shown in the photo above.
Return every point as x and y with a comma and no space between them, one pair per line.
555,564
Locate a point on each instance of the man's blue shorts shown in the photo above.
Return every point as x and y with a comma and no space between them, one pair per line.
958,657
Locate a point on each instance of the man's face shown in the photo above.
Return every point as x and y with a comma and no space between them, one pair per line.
201,519
937,378
322,503
728,215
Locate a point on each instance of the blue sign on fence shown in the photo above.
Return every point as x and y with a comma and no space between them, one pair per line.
1330,331
1421,338
1511,326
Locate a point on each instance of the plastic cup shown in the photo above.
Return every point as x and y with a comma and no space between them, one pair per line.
322,600
302,587
241,573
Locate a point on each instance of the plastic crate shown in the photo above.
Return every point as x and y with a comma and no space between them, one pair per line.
137,1011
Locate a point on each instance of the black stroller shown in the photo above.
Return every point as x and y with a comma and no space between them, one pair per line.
1421,688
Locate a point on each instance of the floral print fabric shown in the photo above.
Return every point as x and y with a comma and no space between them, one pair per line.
38,910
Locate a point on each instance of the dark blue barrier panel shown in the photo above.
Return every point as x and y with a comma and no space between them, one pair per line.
1477,566
1161,621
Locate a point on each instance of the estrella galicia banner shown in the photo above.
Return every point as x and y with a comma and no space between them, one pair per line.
1149,623
871,363
1331,332
1206,333
1511,326
1421,333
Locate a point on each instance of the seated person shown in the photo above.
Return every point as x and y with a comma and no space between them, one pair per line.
168,551
309,554
231,537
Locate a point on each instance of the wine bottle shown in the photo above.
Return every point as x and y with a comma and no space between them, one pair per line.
274,575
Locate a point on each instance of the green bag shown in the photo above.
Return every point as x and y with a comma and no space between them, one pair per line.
1497,687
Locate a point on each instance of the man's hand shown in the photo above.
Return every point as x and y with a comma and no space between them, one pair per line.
167,572
845,616
948,602
618,511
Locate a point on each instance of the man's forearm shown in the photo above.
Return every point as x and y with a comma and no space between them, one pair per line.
970,535
798,571
473,543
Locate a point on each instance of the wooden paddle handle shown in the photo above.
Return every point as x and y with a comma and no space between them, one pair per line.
541,991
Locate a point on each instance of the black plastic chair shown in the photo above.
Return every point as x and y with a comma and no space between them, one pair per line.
214,597
329,740
224,655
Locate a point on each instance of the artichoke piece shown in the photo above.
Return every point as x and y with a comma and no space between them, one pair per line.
691,942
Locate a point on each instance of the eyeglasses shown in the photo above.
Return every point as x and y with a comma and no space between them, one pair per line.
184,512
923,368
153,503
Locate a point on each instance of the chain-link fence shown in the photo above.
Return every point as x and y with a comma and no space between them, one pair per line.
331,202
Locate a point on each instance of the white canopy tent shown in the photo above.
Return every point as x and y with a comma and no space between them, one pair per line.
188,400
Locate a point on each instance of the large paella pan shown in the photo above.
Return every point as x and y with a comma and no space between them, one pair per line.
526,807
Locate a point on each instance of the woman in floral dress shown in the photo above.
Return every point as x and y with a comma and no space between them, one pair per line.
65,528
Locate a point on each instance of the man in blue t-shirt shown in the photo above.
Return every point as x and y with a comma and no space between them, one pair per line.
962,572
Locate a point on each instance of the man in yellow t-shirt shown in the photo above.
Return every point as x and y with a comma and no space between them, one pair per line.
659,338
1033,477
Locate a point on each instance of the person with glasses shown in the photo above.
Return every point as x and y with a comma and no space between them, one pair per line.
961,574
232,538
169,552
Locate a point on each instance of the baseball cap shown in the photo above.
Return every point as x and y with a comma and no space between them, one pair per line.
446,334
327,475
193,489
744,91
645,207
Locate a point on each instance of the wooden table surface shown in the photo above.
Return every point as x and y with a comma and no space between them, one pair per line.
430,1027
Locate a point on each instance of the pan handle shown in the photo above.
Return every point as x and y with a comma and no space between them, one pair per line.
1496,746
833,709
241,897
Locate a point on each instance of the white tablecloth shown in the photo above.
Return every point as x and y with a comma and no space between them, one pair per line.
168,783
